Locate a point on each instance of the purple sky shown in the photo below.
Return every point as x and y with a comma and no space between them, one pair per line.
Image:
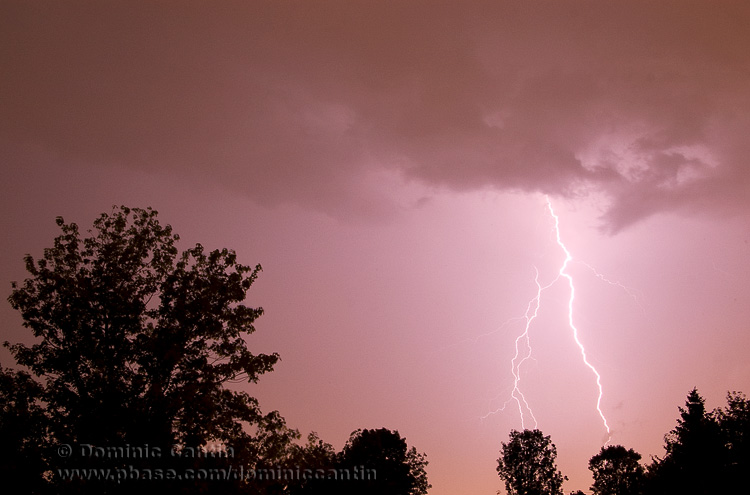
386,163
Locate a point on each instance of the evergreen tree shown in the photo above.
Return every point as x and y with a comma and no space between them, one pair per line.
695,454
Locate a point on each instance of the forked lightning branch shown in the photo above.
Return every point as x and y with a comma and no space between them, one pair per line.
523,349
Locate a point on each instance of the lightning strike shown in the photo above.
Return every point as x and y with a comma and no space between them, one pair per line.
631,292
571,323
515,364
523,349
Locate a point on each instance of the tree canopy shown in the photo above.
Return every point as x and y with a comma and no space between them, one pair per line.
135,342
372,462
527,464
734,426
694,453
616,471
398,469
23,430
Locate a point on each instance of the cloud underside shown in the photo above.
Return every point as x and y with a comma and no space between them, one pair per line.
646,103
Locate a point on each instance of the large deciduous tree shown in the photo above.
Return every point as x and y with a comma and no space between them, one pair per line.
135,342
527,464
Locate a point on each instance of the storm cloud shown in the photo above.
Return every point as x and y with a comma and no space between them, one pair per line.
645,103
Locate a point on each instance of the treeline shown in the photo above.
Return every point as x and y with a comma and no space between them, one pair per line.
127,388
708,452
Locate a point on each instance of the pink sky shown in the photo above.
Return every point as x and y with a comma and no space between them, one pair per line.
386,163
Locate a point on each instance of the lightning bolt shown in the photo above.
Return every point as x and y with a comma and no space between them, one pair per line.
632,293
523,349
571,323
532,310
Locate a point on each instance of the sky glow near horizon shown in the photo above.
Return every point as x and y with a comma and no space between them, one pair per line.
387,164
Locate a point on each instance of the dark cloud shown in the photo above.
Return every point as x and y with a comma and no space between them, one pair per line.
647,102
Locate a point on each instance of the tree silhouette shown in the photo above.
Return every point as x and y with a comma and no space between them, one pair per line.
527,464
695,454
22,430
390,466
313,458
734,423
136,343
616,471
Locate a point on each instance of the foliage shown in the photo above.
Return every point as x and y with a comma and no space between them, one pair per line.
734,424
397,469
316,456
695,454
136,344
706,452
22,430
616,471
527,464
